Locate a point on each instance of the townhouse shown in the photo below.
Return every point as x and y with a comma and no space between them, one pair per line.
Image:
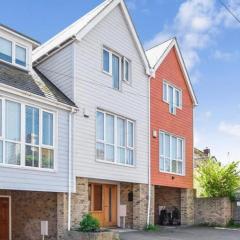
34,142
99,63
78,115
172,104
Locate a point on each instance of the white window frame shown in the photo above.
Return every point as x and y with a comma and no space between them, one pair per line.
115,161
162,155
14,44
22,141
175,89
129,70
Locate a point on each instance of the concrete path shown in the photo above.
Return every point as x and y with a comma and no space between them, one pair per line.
184,233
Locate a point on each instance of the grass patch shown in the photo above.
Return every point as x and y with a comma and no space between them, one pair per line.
151,228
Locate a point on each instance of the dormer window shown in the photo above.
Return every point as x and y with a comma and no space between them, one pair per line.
13,52
172,96
5,50
21,55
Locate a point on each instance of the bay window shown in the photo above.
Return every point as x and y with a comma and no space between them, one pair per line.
171,153
172,96
28,136
114,138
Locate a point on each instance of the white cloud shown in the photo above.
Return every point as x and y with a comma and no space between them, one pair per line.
230,129
225,56
196,24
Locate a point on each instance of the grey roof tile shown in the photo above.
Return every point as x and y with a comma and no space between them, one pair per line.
33,82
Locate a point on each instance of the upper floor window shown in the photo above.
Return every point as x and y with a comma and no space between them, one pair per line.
116,66
172,96
171,153
114,138
26,136
12,52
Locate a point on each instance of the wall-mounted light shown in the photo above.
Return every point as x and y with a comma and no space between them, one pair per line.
154,134
85,113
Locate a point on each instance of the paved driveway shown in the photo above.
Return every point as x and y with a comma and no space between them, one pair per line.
184,233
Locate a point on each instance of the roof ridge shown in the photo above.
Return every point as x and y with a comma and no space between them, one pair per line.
158,44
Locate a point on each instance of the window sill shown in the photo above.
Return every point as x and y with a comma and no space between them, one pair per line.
117,164
172,173
3,165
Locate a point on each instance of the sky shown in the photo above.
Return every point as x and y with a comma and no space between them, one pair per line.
209,38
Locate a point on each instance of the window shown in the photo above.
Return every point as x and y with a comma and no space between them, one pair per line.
114,138
115,65
171,153
5,50
20,56
172,96
126,70
12,52
21,141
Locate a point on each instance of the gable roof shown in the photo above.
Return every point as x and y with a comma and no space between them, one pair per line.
81,27
33,82
157,54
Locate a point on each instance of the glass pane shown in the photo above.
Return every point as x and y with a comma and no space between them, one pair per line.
164,92
180,166
32,156
109,129
32,125
130,134
121,132
100,151
177,98
0,117
180,149
161,143
162,163
13,122
121,155
100,125
20,56
167,146
174,166
47,158
170,98
126,70
13,153
115,71
97,197
47,135
5,50
1,152
129,157
106,57
174,148
167,165
109,153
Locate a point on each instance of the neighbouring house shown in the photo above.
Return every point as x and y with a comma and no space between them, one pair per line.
172,104
34,142
99,63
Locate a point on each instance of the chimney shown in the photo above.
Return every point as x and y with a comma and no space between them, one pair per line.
206,151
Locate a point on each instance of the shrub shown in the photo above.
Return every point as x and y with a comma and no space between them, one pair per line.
232,224
150,228
89,224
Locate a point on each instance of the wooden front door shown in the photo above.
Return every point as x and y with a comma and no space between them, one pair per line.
103,203
4,218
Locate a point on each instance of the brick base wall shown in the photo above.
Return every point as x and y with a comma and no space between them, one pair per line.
28,209
187,206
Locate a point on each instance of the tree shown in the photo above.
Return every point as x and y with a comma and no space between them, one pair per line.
216,180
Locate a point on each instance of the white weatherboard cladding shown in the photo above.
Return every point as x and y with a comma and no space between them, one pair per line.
93,89
59,70
17,178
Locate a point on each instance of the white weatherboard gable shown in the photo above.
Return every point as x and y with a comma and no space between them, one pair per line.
157,54
82,26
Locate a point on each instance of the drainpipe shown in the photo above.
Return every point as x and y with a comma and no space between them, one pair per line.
149,147
70,168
